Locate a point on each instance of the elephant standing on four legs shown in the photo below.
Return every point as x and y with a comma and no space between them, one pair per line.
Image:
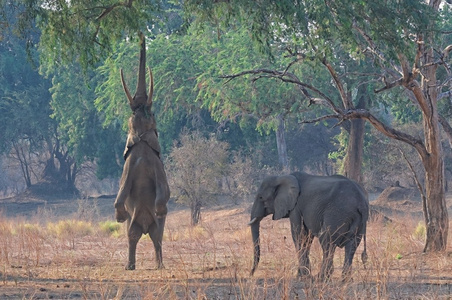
333,208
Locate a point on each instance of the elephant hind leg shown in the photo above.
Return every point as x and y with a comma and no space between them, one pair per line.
350,249
303,254
133,234
302,239
156,235
328,248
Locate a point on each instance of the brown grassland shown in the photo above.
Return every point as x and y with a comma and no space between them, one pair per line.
50,255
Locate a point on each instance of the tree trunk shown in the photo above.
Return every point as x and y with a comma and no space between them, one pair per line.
281,144
23,162
61,175
354,155
435,214
195,209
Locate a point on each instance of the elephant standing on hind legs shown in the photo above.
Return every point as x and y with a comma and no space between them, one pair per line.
333,208
144,191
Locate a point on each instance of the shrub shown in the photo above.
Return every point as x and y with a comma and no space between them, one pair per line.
70,228
197,165
110,227
419,232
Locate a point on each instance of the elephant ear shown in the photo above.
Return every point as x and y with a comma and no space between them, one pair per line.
131,140
152,140
287,192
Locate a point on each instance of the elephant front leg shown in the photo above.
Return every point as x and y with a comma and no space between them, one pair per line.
133,234
121,214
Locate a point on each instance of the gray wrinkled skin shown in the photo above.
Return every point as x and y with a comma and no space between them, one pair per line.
143,194
333,208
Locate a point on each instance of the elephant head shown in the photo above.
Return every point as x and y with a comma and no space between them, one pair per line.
142,124
276,195
140,98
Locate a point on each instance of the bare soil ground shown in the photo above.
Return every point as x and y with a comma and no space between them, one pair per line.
40,258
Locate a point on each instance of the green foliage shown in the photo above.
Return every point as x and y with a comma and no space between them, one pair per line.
24,97
110,227
238,99
87,30
79,123
189,64
322,25
420,231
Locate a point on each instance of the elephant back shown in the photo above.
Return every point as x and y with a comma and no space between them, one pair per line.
332,202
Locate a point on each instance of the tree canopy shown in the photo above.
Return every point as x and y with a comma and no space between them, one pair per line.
313,61
408,44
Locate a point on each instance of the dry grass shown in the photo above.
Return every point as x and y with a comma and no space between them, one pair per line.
72,259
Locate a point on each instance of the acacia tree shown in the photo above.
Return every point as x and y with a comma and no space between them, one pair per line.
402,39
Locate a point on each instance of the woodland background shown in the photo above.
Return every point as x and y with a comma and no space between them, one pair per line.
243,89
227,113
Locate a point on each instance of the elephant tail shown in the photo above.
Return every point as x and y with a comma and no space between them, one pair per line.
358,229
364,216
364,254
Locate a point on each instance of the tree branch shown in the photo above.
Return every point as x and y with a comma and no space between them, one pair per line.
389,85
387,130
444,95
319,119
446,127
289,78
447,51
418,183
372,47
108,9
345,99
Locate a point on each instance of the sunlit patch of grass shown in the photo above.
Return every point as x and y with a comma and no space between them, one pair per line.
6,233
185,233
112,228
70,228
419,232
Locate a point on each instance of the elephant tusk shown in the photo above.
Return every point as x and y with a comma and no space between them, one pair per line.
252,221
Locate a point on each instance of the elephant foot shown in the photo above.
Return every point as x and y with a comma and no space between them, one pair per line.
306,277
304,273
323,278
121,214
130,267
347,277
